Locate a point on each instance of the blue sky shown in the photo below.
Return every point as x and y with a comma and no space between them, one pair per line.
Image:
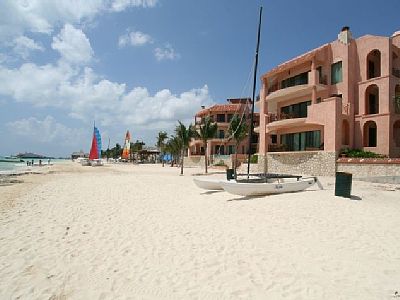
144,64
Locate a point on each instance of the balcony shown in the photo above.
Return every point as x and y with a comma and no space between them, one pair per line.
294,91
281,123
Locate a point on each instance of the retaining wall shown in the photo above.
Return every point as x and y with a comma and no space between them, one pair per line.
316,163
369,167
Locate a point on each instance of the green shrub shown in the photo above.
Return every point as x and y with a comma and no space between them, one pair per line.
357,153
254,159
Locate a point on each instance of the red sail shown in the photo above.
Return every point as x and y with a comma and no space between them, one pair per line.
94,153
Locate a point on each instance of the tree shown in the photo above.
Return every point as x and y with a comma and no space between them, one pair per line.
208,129
184,136
237,131
136,147
162,136
173,147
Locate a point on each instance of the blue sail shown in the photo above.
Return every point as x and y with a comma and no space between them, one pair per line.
98,139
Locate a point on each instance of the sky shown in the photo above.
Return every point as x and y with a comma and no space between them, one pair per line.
142,65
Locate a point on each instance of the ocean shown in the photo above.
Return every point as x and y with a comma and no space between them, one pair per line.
6,167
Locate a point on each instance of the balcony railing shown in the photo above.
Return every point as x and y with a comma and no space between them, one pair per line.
282,116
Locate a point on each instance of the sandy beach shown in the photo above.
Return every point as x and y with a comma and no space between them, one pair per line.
144,232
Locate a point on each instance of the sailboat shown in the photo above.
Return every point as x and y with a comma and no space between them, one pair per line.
95,149
126,152
257,184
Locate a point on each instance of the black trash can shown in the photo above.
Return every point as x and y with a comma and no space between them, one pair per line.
230,174
343,184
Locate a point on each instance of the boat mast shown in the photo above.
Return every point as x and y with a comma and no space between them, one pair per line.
253,100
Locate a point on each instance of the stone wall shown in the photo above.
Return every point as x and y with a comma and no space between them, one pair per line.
362,168
316,163
192,161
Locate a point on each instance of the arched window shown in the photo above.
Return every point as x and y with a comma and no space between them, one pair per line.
374,64
345,132
372,99
397,99
370,134
396,133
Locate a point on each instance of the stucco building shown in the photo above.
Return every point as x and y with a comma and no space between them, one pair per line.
344,94
222,115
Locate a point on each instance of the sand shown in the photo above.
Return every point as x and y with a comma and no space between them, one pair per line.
144,232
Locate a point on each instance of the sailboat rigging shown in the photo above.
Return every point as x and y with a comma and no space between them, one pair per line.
251,127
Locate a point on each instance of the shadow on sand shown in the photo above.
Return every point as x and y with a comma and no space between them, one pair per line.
211,192
246,198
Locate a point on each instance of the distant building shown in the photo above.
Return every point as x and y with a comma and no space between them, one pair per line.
76,155
30,155
222,115
344,94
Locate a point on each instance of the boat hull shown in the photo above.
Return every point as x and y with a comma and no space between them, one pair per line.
259,189
211,184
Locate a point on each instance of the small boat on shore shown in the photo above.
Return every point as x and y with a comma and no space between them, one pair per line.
207,183
269,186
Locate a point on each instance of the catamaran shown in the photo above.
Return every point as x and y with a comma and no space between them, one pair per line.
126,152
257,184
95,150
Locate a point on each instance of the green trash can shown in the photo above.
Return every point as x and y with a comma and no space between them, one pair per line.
343,184
230,174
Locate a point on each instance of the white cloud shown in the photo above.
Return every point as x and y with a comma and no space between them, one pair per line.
18,17
47,130
83,95
119,5
73,45
24,45
134,38
166,53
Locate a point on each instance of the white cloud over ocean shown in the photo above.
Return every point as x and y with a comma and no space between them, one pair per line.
65,81
46,131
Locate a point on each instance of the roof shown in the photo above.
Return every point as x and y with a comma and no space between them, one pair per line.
295,61
220,108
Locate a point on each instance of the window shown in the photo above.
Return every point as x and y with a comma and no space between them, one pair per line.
301,140
321,78
298,110
336,73
370,134
230,116
219,149
295,80
221,118
221,134
274,138
231,149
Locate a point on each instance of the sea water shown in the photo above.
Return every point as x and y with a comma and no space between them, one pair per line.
6,167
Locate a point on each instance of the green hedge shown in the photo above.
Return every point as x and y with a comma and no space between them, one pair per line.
360,153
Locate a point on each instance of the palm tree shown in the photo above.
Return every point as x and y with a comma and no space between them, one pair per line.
173,146
184,135
162,136
208,130
237,131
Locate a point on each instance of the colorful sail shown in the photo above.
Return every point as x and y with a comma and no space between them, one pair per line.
95,150
127,146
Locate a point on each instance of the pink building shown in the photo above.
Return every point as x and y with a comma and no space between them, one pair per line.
222,115
344,94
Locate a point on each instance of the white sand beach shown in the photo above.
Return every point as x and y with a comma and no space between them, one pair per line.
144,232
